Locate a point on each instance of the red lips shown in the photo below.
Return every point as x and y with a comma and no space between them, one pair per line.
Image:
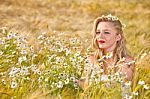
101,41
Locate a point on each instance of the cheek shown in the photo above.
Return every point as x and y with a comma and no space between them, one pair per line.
111,40
111,37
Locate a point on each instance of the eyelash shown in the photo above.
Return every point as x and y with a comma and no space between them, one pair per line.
97,32
104,32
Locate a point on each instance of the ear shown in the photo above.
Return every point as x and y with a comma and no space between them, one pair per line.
118,37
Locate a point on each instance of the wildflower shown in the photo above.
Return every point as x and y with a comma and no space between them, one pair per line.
2,73
127,84
67,51
32,49
4,81
75,85
101,58
40,37
146,87
129,63
46,79
43,33
58,43
117,74
14,71
21,59
28,78
2,41
104,78
101,71
109,55
143,55
67,81
39,72
33,67
65,65
123,26
4,30
24,71
14,84
13,52
23,52
135,93
60,84
141,82
40,79
72,79
122,59
1,52
11,35
88,49
127,97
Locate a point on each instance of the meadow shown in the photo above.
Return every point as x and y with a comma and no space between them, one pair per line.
44,46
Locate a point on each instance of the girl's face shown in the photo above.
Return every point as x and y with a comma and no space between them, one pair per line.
106,36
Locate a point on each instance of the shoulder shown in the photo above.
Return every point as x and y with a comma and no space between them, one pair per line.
129,59
130,62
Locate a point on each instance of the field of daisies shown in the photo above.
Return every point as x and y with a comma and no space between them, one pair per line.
45,45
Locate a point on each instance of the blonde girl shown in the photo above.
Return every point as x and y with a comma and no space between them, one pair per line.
110,51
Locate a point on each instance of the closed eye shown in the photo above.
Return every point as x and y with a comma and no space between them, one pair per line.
97,32
107,32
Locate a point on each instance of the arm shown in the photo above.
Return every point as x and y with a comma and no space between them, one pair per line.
128,68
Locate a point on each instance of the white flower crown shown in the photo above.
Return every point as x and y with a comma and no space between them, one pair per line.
112,18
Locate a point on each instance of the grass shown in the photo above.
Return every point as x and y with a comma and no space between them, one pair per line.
74,19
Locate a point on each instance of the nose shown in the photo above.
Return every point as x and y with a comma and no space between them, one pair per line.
101,35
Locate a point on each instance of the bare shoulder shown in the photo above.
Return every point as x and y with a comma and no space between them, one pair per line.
130,62
129,59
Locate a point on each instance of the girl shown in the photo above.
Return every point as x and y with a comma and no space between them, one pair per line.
111,54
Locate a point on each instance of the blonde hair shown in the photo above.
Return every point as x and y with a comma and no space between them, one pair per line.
120,50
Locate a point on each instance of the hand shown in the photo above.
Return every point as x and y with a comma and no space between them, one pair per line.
82,83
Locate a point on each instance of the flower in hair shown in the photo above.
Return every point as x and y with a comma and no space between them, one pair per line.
110,17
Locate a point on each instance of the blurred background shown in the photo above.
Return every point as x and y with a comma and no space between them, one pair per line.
31,17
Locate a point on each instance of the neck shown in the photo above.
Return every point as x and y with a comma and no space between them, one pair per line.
109,49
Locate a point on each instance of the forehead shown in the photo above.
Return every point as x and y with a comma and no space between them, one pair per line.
105,25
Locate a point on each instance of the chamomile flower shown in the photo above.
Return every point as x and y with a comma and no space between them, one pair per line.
21,59
23,52
24,71
14,84
67,81
135,93
109,55
1,52
146,87
60,84
4,81
141,82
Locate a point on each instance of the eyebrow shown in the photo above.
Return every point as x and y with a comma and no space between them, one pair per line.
104,30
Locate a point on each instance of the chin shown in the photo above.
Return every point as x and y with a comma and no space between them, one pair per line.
102,47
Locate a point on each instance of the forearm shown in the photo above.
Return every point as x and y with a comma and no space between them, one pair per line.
129,71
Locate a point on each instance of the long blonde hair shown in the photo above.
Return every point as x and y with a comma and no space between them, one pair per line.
120,50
